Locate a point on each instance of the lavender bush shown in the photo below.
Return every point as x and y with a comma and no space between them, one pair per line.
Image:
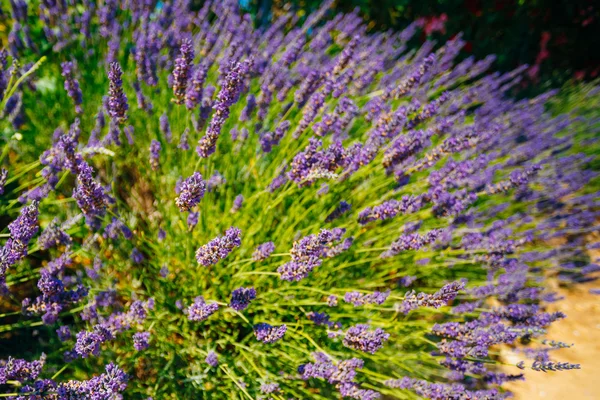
311,210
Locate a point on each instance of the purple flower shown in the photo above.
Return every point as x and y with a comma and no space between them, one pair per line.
270,139
89,194
359,299
553,366
106,298
332,301
308,86
193,95
241,298
141,340
218,248
181,73
53,236
263,251
164,271
72,85
55,294
346,55
136,256
237,203
439,299
143,102
359,337
93,273
311,164
447,203
340,210
88,343
212,359
24,227
429,110
413,79
21,231
128,131
184,140
278,181
216,180
117,101
165,128
342,374
442,391
106,386
353,391
517,178
389,209
407,280
268,388
321,319
20,370
307,254
269,334
64,333
200,310
116,227
227,96
191,192
192,219
155,148
411,241
250,105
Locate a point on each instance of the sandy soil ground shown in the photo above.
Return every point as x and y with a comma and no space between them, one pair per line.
582,328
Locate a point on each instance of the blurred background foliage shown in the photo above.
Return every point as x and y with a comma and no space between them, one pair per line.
559,39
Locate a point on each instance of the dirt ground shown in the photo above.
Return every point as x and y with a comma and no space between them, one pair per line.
582,328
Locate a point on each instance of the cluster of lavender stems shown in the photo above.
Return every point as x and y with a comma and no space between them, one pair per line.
418,210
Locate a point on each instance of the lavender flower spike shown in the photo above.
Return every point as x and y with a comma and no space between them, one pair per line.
89,193
72,85
439,299
219,247
165,127
228,95
412,241
267,388
191,192
359,299
192,219
21,231
117,100
141,340
212,359
183,140
241,298
200,310
53,236
109,385
359,337
237,203
269,334
20,370
181,73
308,252
155,148
263,251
